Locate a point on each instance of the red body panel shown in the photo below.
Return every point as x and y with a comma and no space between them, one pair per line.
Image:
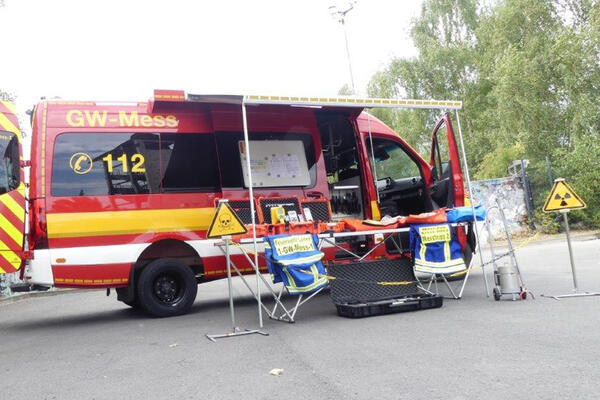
91,276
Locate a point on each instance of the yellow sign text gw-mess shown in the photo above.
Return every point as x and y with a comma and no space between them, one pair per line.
81,118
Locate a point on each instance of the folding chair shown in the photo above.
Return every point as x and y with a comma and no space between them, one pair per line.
295,261
436,252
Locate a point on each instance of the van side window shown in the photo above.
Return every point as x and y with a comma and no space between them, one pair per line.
189,162
92,164
391,161
9,167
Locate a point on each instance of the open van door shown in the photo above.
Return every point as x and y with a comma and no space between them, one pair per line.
12,191
447,189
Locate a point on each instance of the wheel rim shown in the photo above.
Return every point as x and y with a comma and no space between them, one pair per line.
168,288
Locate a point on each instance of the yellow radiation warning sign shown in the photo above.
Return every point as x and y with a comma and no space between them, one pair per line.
225,222
563,197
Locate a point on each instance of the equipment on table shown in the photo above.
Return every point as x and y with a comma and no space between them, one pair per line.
267,203
368,288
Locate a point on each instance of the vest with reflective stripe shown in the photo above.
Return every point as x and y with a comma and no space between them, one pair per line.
436,249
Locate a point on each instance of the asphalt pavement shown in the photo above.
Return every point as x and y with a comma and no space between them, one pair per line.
84,345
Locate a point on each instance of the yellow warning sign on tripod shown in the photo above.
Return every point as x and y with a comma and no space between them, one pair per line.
563,197
225,222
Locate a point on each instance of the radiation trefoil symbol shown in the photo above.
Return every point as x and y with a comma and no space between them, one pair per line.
562,197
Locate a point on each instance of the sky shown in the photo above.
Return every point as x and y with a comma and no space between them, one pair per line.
121,50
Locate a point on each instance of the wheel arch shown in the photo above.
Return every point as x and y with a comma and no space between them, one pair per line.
171,248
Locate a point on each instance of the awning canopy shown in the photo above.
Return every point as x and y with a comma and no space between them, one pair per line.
340,101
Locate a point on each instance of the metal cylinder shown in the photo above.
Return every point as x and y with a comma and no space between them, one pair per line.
508,280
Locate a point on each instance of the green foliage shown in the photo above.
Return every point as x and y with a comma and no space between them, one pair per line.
528,72
547,222
345,90
494,164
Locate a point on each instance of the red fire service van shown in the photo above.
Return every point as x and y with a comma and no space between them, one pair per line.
121,194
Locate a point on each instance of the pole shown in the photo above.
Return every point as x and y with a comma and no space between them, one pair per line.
466,166
227,239
252,210
575,286
568,231
348,54
229,285
373,157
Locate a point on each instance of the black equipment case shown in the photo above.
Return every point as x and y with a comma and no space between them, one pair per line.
360,289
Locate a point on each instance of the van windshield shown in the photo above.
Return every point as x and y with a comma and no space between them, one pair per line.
9,164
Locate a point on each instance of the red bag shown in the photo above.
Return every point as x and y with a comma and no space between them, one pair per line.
434,217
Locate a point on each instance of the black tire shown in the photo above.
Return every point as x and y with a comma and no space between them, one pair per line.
497,295
132,304
166,287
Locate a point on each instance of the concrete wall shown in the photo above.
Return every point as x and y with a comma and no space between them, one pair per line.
5,281
510,194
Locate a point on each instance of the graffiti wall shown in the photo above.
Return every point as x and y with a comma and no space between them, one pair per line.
507,193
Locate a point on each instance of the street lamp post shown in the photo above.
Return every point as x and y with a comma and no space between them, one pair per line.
340,16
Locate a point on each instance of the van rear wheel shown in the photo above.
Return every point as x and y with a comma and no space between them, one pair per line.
166,287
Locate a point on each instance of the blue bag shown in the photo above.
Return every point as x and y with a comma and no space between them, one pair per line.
465,214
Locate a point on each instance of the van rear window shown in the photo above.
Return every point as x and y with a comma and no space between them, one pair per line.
92,164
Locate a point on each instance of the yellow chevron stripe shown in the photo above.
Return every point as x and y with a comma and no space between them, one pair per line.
9,228
21,189
107,223
10,255
2,271
11,107
9,126
13,206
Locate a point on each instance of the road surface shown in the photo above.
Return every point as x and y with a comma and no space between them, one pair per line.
84,345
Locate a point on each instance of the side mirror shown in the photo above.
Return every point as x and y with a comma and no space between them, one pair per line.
381,154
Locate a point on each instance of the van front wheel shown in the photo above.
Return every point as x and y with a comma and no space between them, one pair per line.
166,287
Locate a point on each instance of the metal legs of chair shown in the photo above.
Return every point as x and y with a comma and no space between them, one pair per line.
434,280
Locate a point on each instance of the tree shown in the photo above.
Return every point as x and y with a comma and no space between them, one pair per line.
528,72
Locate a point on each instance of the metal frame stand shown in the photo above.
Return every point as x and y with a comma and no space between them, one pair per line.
235,331
288,313
511,253
574,273
434,280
